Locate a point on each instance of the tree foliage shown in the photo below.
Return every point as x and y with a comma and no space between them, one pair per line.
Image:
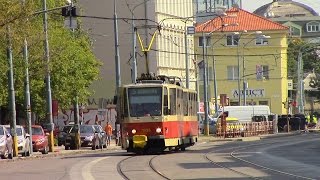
310,57
73,66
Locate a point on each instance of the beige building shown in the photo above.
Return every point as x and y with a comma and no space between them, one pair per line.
249,58
167,54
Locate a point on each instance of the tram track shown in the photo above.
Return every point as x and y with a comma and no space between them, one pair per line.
235,151
150,165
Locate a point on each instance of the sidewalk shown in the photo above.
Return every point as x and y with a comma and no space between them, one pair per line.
211,138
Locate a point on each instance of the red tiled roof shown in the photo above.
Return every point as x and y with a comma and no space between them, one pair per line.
245,20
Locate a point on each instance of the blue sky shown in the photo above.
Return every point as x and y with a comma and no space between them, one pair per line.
251,5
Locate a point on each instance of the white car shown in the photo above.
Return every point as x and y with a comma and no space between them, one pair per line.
23,140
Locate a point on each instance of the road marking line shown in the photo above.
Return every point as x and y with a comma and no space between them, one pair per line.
86,170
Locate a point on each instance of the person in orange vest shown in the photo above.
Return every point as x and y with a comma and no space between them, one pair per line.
108,130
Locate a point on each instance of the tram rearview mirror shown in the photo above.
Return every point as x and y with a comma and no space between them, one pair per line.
115,99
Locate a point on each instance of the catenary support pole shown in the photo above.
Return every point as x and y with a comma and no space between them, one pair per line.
116,47
12,103
186,54
27,92
205,85
48,79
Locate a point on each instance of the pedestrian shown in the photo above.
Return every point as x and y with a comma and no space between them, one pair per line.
108,130
118,138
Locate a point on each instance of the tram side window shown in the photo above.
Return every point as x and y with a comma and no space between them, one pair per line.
165,102
185,103
180,102
191,104
125,104
173,101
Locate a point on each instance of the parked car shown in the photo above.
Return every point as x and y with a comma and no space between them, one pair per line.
89,137
6,150
46,127
62,134
39,139
100,138
23,140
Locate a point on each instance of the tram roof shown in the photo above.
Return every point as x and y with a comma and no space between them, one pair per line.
141,85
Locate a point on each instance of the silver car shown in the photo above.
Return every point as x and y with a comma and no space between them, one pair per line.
23,140
6,150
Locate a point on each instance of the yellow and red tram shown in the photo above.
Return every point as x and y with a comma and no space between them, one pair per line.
157,114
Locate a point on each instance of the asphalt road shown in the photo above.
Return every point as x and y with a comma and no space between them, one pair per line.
294,157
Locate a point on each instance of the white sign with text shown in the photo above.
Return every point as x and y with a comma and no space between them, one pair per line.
252,93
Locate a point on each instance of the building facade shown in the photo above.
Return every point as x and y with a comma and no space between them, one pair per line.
248,60
167,19
303,21
205,9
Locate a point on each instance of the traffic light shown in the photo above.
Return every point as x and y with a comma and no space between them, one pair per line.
69,11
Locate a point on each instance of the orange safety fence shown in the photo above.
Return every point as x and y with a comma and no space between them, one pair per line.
244,129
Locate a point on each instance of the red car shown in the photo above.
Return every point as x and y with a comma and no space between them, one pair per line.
39,139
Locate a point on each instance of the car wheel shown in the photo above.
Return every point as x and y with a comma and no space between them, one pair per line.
93,147
3,156
46,150
104,146
28,153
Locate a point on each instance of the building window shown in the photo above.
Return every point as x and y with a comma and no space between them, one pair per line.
232,72
208,41
262,72
295,31
261,41
313,27
232,40
263,103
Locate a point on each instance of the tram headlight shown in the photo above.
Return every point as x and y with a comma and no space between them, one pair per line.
133,131
158,130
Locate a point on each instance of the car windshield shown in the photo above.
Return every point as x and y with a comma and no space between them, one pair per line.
37,131
1,131
145,101
66,129
18,130
86,129
97,128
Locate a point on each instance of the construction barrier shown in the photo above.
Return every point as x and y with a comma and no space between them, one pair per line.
244,129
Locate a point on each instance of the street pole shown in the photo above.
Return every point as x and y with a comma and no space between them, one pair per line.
216,108
205,85
76,98
300,84
134,60
238,56
244,82
116,47
187,56
48,81
27,92
12,104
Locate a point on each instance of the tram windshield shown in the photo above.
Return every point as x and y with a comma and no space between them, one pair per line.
145,101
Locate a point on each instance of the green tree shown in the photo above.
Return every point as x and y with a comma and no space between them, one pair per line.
73,65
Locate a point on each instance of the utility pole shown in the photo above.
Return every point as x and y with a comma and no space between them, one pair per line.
12,104
27,92
116,47
48,81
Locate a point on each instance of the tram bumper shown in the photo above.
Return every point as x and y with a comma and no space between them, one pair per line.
139,141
